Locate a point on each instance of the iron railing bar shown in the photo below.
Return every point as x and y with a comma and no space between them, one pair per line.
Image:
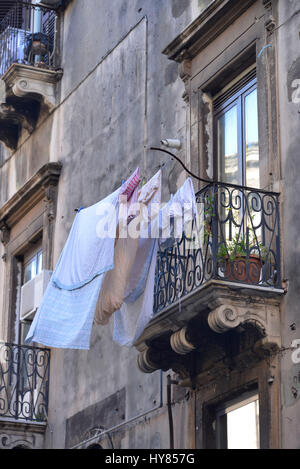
180,271
235,186
25,374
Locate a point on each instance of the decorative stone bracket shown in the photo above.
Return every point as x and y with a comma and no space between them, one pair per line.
39,83
21,435
217,307
34,87
265,319
43,185
24,92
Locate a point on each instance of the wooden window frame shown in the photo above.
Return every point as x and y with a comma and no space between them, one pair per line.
237,98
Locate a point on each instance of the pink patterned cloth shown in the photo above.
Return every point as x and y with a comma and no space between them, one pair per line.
130,187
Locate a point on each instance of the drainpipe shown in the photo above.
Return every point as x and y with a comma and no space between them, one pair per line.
120,425
169,405
37,18
37,24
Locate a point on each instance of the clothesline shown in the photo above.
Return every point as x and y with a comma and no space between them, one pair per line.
101,274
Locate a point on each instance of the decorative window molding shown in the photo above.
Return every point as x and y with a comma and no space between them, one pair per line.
203,30
42,185
36,200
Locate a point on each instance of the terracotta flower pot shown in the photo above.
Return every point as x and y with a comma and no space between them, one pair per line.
236,270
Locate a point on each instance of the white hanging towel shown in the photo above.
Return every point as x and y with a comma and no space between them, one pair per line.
137,309
65,317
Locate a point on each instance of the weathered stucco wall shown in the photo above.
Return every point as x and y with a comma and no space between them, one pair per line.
289,102
119,95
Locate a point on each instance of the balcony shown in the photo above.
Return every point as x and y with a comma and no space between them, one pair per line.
28,68
223,274
24,384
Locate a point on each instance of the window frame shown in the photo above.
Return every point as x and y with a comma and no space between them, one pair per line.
230,405
34,256
235,96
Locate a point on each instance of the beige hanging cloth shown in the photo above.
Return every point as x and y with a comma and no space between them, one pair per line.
115,281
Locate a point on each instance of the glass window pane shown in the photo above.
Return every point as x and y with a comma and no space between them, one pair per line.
242,427
228,154
33,267
251,140
39,262
25,326
30,270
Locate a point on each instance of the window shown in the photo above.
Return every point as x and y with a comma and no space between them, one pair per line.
237,423
32,266
236,134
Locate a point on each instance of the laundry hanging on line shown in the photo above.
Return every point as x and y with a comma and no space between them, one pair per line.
136,310
91,264
65,316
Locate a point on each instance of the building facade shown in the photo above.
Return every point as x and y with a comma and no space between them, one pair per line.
88,87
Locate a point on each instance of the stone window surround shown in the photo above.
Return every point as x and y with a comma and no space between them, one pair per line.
43,187
238,55
201,82
245,50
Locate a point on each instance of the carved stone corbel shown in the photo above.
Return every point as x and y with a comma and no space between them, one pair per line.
270,22
37,86
50,201
4,233
24,87
4,238
265,318
145,363
224,318
180,343
24,80
185,73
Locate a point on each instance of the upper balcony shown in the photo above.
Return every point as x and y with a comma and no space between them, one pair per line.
223,274
28,68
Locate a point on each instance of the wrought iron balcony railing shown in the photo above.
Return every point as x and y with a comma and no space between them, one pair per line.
234,237
28,36
24,382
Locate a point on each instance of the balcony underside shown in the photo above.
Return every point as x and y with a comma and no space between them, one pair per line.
26,92
21,435
220,276
28,68
201,322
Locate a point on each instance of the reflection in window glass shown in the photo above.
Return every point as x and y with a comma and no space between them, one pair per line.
33,267
251,140
29,271
237,145
228,146
39,262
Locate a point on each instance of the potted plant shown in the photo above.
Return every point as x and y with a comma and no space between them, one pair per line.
37,45
236,264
